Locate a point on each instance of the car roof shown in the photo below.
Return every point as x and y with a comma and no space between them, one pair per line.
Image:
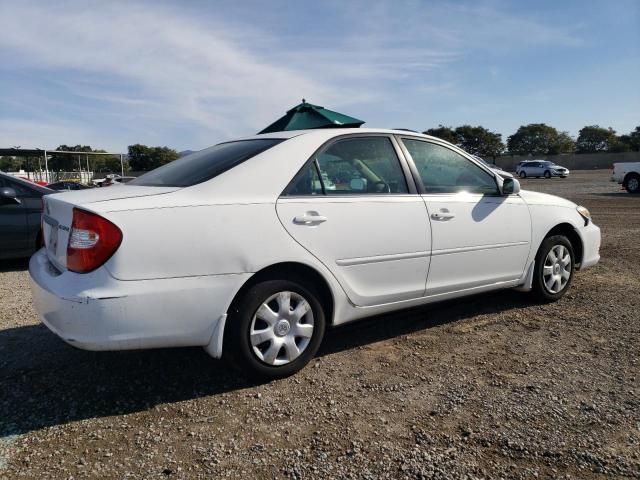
334,132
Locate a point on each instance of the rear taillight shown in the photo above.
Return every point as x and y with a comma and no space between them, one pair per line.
92,241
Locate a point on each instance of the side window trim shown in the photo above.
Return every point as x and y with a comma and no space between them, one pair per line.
415,175
319,173
412,186
462,153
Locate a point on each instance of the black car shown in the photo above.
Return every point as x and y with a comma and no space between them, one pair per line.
20,211
66,185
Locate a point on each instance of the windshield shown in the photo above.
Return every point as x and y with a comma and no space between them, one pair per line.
204,165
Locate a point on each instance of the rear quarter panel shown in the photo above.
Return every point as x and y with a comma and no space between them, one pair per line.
199,240
209,240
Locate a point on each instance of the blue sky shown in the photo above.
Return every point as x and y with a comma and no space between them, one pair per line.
190,74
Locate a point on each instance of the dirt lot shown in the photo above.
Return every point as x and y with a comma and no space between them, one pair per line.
490,386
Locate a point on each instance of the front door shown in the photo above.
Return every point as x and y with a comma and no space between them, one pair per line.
351,207
479,236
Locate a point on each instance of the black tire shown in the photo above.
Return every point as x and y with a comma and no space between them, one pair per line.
547,174
237,344
523,174
540,288
632,183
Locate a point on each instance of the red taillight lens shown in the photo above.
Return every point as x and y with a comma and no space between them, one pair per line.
92,241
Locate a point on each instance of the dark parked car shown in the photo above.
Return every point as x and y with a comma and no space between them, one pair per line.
67,185
20,211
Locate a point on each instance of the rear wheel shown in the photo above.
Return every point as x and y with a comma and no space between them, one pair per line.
275,329
632,185
554,268
523,174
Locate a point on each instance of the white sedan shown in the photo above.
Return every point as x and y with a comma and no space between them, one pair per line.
541,168
252,248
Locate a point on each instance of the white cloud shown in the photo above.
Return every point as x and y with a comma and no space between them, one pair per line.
157,67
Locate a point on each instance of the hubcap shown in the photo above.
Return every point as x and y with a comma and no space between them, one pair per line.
633,184
557,269
281,328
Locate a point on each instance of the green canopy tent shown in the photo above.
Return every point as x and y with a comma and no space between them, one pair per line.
306,116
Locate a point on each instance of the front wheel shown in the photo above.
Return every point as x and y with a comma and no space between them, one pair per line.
523,174
554,268
633,183
275,329
547,174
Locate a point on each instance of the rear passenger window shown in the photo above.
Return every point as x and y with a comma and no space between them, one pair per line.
307,182
444,171
353,166
21,190
204,165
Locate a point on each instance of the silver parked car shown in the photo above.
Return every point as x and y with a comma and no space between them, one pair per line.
540,168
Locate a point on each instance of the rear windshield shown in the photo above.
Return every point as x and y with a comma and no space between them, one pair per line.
205,164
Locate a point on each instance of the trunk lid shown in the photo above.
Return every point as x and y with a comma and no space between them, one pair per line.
57,214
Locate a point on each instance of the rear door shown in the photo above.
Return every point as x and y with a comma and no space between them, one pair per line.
479,237
536,169
31,200
354,208
13,226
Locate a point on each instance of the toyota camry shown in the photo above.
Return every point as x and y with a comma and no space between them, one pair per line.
254,247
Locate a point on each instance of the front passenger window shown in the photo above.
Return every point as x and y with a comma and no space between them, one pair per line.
444,171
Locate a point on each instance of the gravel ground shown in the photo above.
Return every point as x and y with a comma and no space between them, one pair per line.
486,387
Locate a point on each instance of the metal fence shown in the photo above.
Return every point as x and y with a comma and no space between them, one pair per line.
50,177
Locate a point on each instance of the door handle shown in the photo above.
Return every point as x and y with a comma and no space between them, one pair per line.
309,218
443,216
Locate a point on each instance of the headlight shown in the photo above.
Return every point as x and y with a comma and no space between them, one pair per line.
585,214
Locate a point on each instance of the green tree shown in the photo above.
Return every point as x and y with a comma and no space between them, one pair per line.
630,141
563,143
107,163
143,158
539,139
64,162
445,133
11,164
475,140
479,141
594,138
621,144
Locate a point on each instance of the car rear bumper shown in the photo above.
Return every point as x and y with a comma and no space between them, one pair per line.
94,311
591,245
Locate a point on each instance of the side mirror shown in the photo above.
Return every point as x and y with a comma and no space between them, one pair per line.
8,196
510,186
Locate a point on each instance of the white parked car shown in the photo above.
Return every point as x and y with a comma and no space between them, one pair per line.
628,175
244,249
540,168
